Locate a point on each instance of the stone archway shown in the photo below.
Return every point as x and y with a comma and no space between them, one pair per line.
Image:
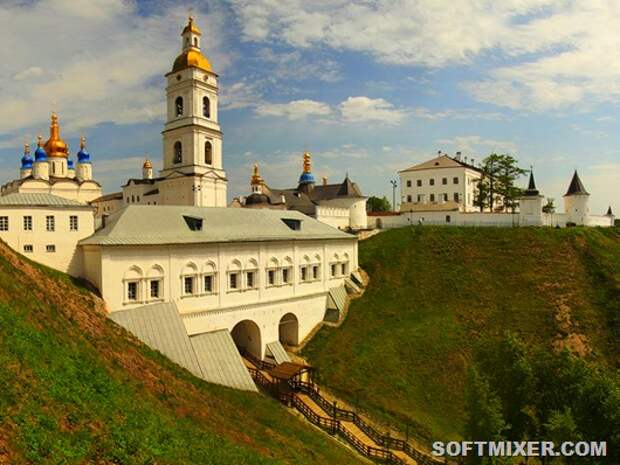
246,335
288,330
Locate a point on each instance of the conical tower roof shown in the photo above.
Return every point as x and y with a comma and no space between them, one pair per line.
531,188
576,187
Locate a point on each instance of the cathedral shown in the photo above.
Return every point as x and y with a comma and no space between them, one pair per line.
51,171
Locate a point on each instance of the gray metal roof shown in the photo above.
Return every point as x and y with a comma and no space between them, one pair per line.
337,298
278,352
159,224
220,360
160,327
39,200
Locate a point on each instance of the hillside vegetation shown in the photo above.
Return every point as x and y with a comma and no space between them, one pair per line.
76,388
493,312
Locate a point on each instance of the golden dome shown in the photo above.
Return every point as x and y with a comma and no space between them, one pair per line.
256,180
191,27
191,59
147,164
55,146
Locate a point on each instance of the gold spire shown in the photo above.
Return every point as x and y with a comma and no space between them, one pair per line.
55,146
191,56
26,148
191,27
39,141
257,180
307,162
82,142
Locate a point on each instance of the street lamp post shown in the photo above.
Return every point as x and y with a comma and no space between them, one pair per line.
394,185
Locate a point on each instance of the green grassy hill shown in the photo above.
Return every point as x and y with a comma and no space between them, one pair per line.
442,300
75,388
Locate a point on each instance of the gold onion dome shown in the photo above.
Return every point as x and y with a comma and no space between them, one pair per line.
55,146
257,180
147,164
191,58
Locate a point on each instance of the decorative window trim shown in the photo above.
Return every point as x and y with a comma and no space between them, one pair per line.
230,289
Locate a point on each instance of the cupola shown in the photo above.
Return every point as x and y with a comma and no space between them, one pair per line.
83,156
26,159
39,153
55,147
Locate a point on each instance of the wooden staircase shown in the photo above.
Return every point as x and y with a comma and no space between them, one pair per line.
304,396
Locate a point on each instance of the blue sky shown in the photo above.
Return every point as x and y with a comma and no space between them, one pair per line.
369,87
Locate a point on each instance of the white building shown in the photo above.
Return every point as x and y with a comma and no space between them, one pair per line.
46,228
530,212
51,171
224,268
192,171
440,184
340,205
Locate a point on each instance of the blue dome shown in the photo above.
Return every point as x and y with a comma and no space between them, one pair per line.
27,162
306,178
83,156
70,164
39,154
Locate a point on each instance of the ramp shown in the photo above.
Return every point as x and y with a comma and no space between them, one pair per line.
277,351
220,360
160,327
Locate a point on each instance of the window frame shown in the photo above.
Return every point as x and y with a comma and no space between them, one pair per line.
50,248
4,223
72,226
50,223
27,222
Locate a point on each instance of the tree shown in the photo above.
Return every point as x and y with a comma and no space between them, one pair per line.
481,195
378,204
501,172
549,207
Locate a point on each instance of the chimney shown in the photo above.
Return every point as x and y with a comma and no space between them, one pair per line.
438,153
325,180
458,156
473,162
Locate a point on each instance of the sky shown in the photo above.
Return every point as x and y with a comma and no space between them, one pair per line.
368,87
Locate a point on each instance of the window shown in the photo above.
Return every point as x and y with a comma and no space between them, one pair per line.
431,181
249,279
408,183
432,197
303,274
408,198
419,183
334,270
445,197
154,289
27,223
448,218
188,285
73,223
315,271
455,180
233,281
132,291
208,281
295,225
344,268
178,105
50,223
271,277
195,41
420,196
206,107
178,152
51,248
456,197
133,199
193,223
444,181
4,223
286,275
28,248
208,153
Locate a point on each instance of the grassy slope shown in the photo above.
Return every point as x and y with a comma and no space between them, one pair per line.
75,388
439,295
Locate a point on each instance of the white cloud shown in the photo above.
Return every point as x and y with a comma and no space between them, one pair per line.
365,109
99,60
565,51
292,65
241,94
478,145
466,113
295,110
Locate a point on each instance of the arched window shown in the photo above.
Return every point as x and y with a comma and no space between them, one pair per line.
206,107
195,42
178,152
178,104
208,153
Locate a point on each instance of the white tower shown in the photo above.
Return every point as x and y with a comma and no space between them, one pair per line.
147,169
192,138
531,204
576,202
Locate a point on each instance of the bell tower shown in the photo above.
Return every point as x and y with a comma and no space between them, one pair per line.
192,138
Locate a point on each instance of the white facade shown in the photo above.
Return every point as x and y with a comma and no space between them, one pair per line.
46,229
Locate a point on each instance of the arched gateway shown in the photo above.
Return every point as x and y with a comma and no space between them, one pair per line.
288,330
246,335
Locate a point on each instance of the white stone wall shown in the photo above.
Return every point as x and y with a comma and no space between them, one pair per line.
66,257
